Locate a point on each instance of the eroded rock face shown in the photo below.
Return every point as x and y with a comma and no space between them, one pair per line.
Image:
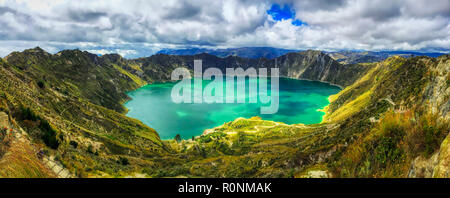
309,65
422,167
436,98
438,90
442,169
438,165
317,174
4,120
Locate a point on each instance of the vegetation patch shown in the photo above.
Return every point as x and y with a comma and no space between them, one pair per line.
31,120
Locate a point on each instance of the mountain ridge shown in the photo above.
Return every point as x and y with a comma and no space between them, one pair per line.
70,104
344,56
245,52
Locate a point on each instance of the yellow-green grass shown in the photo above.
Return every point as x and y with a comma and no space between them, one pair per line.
21,162
349,108
134,78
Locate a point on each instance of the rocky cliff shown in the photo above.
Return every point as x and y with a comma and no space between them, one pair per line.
382,125
309,65
70,103
390,120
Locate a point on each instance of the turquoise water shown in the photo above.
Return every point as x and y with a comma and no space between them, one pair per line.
299,101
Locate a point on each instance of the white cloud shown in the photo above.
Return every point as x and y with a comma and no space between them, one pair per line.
122,52
138,27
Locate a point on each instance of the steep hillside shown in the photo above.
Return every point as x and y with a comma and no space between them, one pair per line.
57,99
70,103
383,125
310,65
353,57
390,116
18,157
390,120
315,65
88,75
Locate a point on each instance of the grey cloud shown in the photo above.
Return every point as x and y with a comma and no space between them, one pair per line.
183,11
4,10
319,4
381,10
15,25
359,24
84,15
427,9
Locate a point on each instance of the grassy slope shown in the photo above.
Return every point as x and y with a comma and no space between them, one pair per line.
21,162
358,124
363,135
67,103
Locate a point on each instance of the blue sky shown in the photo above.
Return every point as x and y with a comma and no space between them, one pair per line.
136,28
284,12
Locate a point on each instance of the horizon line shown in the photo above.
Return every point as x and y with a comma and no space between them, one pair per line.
175,49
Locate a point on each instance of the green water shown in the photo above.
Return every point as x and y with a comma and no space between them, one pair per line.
299,101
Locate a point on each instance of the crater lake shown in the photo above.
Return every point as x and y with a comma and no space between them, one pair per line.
299,102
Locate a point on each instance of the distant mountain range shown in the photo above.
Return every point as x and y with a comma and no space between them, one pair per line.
245,52
352,57
390,120
346,57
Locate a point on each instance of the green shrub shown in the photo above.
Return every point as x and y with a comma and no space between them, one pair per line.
41,84
434,134
27,114
212,136
386,147
386,151
426,135
74,144
90,149
177,138
123,161
49,135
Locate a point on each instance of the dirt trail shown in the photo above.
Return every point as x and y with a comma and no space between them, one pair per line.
57,168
